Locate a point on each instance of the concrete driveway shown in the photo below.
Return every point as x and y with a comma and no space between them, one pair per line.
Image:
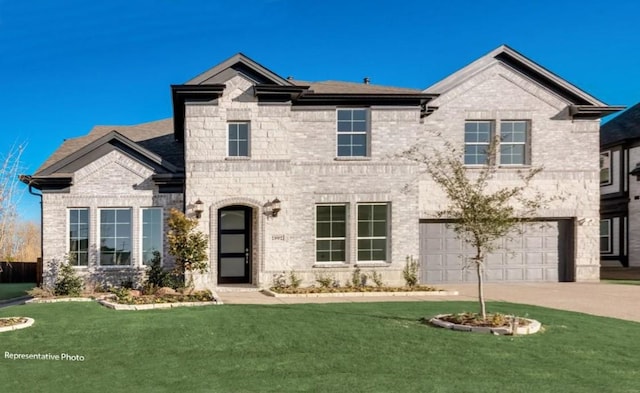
603,299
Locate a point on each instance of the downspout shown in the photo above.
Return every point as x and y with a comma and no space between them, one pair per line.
29,183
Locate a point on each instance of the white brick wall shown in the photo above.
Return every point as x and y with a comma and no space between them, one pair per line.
293,157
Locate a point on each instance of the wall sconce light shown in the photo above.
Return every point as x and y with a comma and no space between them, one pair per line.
272,208
198,208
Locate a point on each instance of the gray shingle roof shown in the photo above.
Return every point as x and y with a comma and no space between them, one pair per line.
155,136
338,87
623,127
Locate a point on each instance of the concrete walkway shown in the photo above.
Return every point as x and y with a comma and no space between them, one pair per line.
603,299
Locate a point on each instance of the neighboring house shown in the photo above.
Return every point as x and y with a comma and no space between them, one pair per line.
286,175
620,189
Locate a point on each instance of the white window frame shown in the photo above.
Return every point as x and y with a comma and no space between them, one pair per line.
237,141
525,144
487,144
605,167
607,236
366,132
160,232
131,245
332,238
373,237
70,252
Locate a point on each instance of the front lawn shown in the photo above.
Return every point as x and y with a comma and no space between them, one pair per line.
9,291
347,347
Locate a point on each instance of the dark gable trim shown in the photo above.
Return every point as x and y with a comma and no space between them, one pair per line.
277,93
419,99
591,112
48,183
182,93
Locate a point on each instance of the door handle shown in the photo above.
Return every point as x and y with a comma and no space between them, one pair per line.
246,256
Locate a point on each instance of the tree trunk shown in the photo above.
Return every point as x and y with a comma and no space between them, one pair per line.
479,270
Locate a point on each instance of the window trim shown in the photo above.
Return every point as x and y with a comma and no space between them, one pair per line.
608,236
99,238
608,168
526,159
142,234
69,238
366,133
386,237
344,238
238,156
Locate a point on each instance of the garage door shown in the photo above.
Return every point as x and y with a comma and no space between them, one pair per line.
542,252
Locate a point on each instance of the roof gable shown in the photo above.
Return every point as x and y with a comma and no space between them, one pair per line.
580,102
239,64
102,145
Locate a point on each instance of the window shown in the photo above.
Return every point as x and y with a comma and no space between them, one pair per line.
477,139
238,140
79,237
115,237
372,232
605,168
151,233
330,233
513,142
605,236
353,130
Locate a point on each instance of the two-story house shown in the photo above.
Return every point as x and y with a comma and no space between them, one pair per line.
287,175
620,189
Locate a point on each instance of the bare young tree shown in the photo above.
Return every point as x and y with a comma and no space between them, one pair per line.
10,194
481,211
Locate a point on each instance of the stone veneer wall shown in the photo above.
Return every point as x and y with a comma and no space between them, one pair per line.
566,149
293,158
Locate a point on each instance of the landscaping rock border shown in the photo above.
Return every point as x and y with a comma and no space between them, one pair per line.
26,324
60,300
155,306
269,292
532,328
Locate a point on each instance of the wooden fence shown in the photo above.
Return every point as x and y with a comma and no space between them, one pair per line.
20,272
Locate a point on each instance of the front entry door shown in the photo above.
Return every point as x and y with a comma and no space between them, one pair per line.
234,245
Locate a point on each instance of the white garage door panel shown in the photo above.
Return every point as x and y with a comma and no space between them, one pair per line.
532,255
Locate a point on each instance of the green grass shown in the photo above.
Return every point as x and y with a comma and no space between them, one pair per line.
353,347
9,291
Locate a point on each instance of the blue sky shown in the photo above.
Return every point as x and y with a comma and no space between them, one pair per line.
67,65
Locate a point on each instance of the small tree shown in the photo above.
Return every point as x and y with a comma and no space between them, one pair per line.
481,214
187,245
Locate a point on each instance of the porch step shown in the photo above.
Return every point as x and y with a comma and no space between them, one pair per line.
236,288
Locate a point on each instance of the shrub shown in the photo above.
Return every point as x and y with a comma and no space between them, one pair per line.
376,278
294,279
67,283
325,280
410,271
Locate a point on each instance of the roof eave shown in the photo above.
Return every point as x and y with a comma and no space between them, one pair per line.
593,111
181,93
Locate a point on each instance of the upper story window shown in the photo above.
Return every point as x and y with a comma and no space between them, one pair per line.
238,139
513,142
151,234
353,132
115,237
79,237
477,140
513,148
605,168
